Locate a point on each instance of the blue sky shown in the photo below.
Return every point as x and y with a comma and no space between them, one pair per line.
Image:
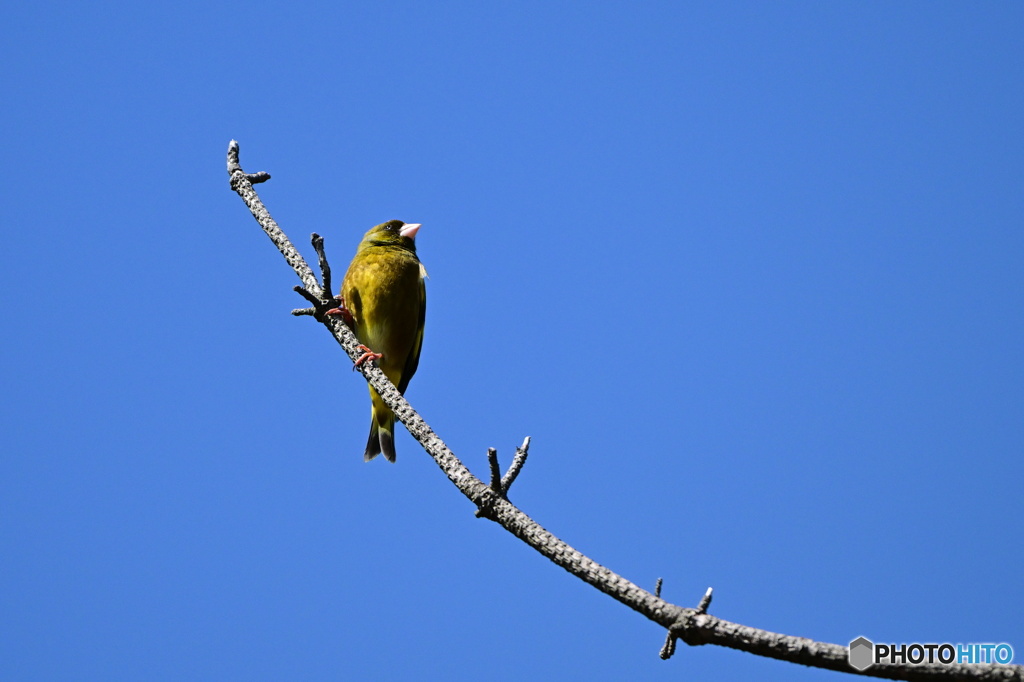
749,274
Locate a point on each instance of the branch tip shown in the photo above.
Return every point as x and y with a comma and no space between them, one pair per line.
669,647
306,294
517,465
325,268
705,602
235,167
657,588
492,460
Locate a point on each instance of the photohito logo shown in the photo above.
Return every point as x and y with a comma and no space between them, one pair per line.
864,653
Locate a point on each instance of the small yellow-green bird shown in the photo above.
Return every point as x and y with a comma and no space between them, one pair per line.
384,301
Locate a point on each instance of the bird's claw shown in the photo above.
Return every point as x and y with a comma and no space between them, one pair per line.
341,311
367,355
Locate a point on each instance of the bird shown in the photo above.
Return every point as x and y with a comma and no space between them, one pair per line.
384,301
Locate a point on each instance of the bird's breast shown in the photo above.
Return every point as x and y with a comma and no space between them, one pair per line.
384,295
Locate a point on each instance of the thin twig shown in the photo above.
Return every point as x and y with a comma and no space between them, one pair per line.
705,602
669,647
242,183
492,461
517,465
325,268
306,294
687,624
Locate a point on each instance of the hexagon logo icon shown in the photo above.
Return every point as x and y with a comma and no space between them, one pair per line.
862,653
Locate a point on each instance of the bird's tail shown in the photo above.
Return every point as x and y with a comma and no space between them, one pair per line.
382,431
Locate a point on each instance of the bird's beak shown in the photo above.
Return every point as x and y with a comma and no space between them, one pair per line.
409,230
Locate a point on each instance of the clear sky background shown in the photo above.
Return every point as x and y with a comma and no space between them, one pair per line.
749,274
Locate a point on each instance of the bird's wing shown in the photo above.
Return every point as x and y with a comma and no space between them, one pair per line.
413,361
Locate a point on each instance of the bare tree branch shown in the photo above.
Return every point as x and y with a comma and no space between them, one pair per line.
693,626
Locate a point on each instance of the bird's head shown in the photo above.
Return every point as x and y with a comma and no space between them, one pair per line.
393,233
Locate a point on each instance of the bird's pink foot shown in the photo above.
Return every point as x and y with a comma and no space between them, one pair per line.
367,355
341,311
